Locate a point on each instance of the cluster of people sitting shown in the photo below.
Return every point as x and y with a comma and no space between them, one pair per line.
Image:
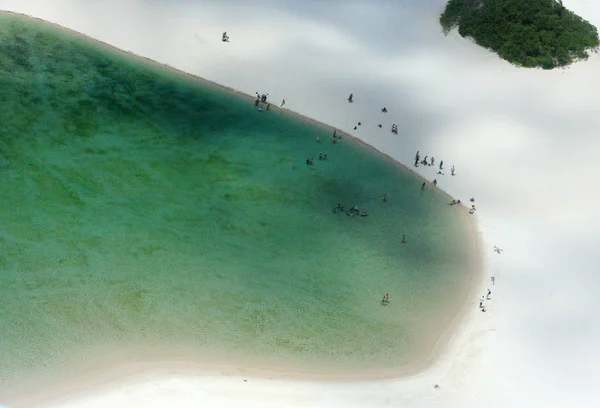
309,161
355,211
261,98
351,212
395,129
225,37
473,209
386,299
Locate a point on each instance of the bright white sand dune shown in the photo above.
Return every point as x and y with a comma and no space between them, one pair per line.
525,143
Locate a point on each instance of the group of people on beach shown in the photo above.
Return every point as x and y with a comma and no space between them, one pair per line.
425,162
261,98
485,297
355,211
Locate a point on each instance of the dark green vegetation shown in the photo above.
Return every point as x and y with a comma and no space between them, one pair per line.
528,33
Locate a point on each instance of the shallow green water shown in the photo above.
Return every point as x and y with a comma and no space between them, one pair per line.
138,206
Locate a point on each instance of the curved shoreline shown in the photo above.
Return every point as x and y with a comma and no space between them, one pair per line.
450,329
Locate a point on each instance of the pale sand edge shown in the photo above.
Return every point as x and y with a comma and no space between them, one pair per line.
120,373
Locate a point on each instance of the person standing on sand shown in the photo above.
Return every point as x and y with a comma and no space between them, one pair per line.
481,299
493,279
282,103
442,165
435,182
489,293
452,171
432,160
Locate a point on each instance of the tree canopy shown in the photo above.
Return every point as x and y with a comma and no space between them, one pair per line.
528,33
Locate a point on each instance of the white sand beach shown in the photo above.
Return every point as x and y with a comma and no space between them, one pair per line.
524,144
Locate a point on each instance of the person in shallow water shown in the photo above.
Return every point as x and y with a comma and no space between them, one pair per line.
423,186
385,197
403,240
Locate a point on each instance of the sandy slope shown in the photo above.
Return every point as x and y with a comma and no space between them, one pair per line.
524,143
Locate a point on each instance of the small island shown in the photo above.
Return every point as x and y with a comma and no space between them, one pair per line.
527,33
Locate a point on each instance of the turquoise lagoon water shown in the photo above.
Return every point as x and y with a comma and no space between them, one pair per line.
142,207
